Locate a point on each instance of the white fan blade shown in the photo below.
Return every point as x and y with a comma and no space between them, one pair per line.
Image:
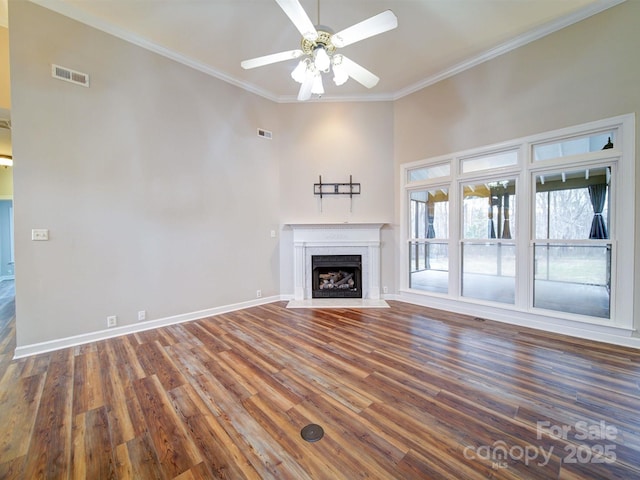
305,89
359,73
383,22
269,59
299,17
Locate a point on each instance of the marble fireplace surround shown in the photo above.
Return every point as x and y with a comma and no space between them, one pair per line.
336,239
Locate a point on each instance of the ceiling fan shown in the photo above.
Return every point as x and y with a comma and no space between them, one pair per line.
318,49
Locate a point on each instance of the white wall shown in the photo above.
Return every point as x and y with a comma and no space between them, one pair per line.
586,72
155,188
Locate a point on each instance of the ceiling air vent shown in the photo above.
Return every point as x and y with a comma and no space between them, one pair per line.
265,134
68,75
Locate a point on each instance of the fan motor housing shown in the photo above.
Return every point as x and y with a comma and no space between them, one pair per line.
323,40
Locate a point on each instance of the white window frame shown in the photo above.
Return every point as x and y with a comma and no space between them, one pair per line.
511,172
622,228
580,162
430,184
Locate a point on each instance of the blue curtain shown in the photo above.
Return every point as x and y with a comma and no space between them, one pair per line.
598,195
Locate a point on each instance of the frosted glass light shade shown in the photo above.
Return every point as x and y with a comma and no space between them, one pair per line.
321,59
340,75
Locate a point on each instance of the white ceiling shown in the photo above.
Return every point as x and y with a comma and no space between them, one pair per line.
434,38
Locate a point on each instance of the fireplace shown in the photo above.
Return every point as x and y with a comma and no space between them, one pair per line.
336,239
336,276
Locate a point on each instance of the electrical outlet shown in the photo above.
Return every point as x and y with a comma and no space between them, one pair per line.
258,293
273,234
112,321
40,234
142,315
385,290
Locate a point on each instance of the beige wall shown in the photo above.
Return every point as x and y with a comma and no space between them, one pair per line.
585,72
5,90
157,192
336,140
159,195
588,71
155,187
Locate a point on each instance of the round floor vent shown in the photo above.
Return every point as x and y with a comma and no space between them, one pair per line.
312,432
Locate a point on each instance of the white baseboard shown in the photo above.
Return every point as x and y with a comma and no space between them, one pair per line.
50,346
613,335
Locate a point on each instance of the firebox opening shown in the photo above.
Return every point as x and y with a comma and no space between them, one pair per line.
336,276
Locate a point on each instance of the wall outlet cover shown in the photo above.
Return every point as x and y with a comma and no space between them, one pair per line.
40,234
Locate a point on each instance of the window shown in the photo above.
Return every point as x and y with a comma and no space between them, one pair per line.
426,173
573,205
488,249
574,146
429,248
573,278
541,226
572,270
490,161
487,209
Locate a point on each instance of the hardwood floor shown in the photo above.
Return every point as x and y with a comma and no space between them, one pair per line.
405,392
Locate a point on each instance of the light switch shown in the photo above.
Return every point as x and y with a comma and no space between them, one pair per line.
40,234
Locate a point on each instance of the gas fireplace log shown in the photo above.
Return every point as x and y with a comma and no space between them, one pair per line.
344,280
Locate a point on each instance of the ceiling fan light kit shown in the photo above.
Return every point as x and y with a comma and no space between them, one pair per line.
340,75
318,47
321,59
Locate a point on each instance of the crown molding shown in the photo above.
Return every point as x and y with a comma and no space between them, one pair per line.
81,16
513,44
74,13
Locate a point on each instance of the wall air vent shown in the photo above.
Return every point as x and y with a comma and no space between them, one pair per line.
68,75
265,134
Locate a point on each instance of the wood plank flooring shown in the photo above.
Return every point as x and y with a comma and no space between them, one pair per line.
405,392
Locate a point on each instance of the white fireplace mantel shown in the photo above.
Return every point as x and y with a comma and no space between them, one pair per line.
336,239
